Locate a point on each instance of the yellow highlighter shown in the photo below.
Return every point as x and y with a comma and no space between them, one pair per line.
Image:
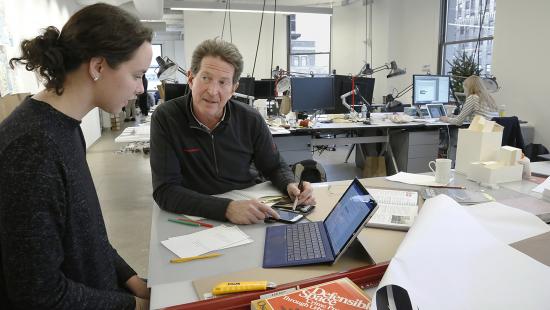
237,287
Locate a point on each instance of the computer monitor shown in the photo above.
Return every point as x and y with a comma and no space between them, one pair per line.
430,89
310,94
172,90
342,85
264,89
246,86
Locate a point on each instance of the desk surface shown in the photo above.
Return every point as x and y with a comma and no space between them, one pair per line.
541,168
172,284
142,133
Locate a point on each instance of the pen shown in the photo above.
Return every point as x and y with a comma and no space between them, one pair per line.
186,259
445,186
183,222
300,187
196,222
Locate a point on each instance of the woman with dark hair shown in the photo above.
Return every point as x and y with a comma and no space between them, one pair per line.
54,250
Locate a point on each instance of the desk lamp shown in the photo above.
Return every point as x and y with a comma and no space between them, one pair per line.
167,68
354,116
392,105
392,66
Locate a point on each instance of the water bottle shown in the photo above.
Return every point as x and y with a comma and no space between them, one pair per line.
364,111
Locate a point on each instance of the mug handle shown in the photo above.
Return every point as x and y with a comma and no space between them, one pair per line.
430,166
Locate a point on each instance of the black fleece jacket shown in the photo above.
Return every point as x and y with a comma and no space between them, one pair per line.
189,163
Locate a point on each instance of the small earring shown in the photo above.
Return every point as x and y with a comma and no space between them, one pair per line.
96,78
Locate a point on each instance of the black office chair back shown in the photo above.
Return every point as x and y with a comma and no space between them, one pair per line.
534,150
511,135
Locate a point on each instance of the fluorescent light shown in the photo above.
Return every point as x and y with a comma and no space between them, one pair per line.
242,11
231,10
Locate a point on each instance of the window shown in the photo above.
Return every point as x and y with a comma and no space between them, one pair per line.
462,32
151,74
309,43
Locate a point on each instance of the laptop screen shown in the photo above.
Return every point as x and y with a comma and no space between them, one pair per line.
348,215
436,110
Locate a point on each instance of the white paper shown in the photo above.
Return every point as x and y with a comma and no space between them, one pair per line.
448,260
414,179
193,218
208,240
540,188
506,223
254,192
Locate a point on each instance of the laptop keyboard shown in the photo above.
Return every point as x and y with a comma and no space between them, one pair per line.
304,242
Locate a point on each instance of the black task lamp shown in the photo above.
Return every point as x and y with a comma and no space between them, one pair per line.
392,66
167,68
393,105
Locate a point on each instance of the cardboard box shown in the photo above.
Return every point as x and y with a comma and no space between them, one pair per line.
9,102
479,143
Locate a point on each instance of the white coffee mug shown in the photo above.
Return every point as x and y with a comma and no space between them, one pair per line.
442,169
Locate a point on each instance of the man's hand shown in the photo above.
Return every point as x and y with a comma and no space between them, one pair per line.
142,304
304,196
248,212
138,287
444,119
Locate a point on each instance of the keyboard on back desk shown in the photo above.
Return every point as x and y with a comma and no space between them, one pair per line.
304,242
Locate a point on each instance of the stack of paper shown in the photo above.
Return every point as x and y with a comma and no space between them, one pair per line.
208,240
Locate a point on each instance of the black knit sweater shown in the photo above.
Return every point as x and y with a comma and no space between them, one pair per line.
54,251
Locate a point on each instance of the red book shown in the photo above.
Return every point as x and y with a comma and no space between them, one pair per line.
341,294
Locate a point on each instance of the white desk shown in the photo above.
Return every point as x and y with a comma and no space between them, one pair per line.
135,134
172,284
541,168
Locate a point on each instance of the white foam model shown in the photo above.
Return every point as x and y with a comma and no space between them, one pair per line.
477,143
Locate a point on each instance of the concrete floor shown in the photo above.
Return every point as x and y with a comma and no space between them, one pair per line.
123,184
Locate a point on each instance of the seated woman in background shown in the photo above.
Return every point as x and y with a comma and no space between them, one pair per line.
478,102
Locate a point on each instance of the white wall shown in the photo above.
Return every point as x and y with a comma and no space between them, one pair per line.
24,20
414,38
520,51
404,31
349,42
199,26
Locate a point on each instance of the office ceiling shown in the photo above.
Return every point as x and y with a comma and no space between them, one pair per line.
161,18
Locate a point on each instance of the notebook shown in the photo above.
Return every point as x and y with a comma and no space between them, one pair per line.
320,242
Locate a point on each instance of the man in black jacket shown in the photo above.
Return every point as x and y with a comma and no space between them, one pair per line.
204,144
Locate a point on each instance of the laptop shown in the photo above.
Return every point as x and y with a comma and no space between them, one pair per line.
320,242
436,110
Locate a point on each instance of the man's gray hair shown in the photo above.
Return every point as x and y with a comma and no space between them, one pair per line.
227,51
